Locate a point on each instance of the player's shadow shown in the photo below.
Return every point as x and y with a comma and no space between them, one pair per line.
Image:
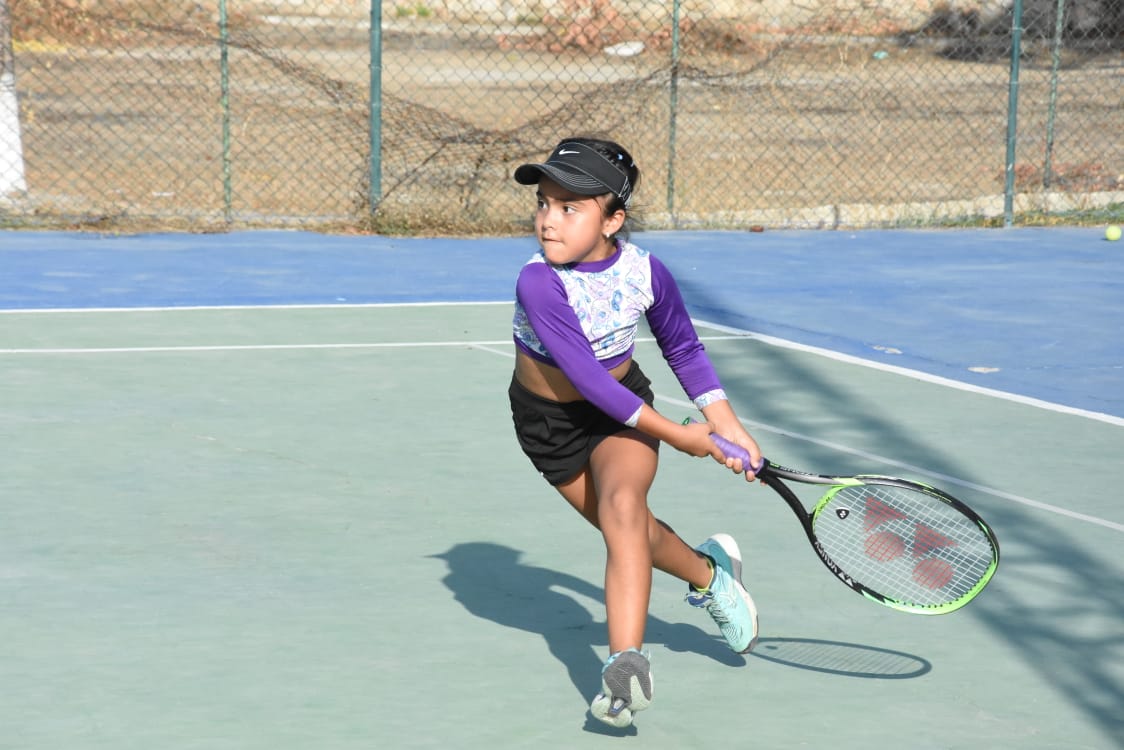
492,583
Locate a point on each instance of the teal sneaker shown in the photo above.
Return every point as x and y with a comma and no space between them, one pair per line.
626,687
726,599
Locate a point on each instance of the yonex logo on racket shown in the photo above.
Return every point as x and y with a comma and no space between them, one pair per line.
947,553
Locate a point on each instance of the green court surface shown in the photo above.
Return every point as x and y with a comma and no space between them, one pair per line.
312,528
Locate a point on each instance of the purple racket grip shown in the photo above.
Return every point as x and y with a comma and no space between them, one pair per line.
733,450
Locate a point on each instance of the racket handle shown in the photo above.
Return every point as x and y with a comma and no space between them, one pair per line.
733,450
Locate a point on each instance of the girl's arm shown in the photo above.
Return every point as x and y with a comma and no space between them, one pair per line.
694,438
671,324
541,294
722,420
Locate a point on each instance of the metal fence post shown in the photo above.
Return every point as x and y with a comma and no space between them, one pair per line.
224,101
673,107
1013,113
1051,112
374,114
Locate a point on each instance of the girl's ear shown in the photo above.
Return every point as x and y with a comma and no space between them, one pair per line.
612,223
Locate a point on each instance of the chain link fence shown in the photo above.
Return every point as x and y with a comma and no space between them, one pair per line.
128,114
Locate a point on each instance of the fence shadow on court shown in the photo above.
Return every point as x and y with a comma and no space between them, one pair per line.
1048,580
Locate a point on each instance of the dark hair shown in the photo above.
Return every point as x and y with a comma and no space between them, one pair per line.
622,160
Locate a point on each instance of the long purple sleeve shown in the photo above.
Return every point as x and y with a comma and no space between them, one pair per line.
583,319
543,297
677,338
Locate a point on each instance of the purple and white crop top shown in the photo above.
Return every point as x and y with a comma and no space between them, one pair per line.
582,318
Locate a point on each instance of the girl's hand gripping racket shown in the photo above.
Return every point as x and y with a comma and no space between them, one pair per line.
902,544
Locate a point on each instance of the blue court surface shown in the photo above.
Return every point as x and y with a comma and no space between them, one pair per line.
261,491
1033,312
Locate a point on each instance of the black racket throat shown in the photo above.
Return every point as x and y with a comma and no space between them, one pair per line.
771,479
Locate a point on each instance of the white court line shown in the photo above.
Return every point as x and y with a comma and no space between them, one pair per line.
253,347
731,334
276,347
915,374
941,478
874,457
195,308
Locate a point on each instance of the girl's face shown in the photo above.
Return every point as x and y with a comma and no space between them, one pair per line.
573,228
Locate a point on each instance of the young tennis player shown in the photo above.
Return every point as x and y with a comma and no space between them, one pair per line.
583,410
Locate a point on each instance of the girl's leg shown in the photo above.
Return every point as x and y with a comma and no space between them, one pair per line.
675,557
612,494
622,469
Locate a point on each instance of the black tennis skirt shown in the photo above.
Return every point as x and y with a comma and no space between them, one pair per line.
559,437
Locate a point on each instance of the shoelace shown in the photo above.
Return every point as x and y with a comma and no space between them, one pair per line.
717,611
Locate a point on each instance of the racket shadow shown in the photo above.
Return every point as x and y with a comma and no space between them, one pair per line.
491,582
843,659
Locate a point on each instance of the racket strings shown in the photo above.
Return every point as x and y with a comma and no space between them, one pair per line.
907,545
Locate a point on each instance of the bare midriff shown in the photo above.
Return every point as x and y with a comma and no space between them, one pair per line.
551,383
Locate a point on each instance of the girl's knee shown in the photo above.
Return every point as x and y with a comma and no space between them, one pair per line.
624,509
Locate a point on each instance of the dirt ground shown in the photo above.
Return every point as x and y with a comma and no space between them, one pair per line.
787,131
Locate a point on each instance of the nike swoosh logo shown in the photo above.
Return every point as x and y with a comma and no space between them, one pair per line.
564,152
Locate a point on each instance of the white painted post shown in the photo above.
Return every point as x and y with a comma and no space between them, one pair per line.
11,148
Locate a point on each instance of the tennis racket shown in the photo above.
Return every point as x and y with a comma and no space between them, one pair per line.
902,544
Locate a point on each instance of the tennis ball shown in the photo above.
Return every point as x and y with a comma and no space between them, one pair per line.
1112,233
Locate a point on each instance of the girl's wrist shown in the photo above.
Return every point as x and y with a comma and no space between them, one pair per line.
710,397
